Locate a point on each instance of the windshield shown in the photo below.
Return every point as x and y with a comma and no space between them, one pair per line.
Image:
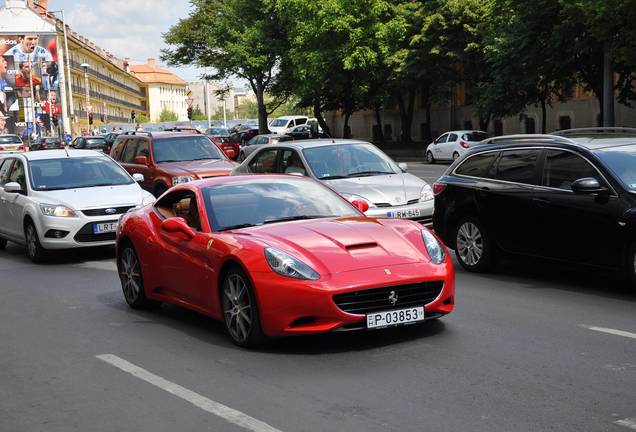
622,162
256,202
10,139
186,148
475,136
348,160
71,173
279,123
217,131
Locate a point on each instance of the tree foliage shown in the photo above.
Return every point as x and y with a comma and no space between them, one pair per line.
167,115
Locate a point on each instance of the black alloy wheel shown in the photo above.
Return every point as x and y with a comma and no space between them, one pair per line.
429,157
132,283
473,247
35,251
240,312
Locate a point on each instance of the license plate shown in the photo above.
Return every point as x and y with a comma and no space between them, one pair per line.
395,317
406,214
103,228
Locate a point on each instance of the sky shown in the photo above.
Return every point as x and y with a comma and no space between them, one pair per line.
127,28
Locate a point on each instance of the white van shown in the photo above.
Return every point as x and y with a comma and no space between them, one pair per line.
282,125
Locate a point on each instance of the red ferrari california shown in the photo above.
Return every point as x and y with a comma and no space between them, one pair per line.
280,255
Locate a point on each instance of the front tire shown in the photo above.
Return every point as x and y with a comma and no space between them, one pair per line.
35,251
473,247
455,156
240,311
132,283
430,158
3,244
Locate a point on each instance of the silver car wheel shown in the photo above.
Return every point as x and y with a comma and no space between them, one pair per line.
31,240
470,243
237,308
130,275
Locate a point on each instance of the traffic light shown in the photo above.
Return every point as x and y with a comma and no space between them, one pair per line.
190,113
90,119
133,116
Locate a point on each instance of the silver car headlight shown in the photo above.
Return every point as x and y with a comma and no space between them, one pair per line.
427,193
288,266
433,247
181,179
57,210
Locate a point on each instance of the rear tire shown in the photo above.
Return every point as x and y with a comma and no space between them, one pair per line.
132,283
455,156
430,158
240,311
473,247
3,244
35,251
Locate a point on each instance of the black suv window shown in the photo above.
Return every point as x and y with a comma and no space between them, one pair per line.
519,166
480,165
562,168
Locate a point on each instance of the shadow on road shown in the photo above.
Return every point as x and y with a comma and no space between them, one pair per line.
17,254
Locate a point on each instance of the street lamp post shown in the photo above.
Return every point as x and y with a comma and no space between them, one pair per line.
89,108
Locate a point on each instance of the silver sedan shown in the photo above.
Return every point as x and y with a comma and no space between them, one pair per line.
358,170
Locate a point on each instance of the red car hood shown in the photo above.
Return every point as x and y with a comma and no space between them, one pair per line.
341,245
200,168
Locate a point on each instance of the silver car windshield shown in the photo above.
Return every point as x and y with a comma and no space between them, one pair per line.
348,160
74,173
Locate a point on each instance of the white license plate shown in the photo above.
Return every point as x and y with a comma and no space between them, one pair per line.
406,214
395,317
103,228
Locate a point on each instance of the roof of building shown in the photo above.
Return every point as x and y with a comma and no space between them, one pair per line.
151,73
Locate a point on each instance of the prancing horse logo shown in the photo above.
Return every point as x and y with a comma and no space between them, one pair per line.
393,298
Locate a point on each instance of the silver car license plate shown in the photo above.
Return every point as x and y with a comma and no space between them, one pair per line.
406,214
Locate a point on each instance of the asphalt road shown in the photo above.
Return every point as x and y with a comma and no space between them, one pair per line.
530,347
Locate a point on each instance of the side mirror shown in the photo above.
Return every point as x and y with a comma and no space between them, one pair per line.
13,187
363,206
588,185
138,177
404,166
141,160
175,225
230,153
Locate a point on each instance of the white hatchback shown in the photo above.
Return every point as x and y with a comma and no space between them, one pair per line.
453,144
57,199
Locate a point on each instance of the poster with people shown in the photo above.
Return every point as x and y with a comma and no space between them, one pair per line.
29,85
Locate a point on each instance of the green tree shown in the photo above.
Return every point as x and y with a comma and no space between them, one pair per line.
167,115
141,119
239,38
197,114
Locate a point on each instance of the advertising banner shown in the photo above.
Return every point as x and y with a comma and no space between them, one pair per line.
29,84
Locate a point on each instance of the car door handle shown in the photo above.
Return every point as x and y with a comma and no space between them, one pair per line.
541,202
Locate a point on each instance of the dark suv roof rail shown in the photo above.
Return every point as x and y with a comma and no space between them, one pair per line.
183,129
527,137
596,130
137,133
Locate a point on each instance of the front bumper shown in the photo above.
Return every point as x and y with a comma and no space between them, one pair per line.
421,212
294,307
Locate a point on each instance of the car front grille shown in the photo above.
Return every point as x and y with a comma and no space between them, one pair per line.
85,235
375,299
102,211
384,205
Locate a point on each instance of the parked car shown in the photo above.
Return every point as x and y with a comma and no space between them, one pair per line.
169,158
217,131
557,199
54,199
301,132
91,143
244,133
47,143
280,255
110,137
357,170
229,147
11,143
453,144
282,125
256,142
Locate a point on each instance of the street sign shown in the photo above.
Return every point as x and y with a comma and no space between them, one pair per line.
190,101
189,93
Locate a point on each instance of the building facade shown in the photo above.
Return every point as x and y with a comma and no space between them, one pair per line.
164,90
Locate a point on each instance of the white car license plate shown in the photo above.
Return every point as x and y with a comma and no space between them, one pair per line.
395,317
103,228
406,214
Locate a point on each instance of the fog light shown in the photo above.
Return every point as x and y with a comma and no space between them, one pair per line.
56,234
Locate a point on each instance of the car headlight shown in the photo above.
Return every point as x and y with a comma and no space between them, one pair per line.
181,179
427,193
148,199
433,247
352,198
56,210
286,265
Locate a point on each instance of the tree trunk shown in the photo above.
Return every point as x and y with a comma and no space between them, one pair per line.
484,122
406,115
378,122
346,130
543,115
320,118
262,109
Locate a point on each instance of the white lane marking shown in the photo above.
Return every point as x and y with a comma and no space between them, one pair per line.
98,265
629,423
229,414
610,331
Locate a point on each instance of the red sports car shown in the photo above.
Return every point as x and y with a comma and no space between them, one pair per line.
281,255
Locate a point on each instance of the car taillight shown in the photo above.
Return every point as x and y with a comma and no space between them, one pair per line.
22,148
438,188
464,144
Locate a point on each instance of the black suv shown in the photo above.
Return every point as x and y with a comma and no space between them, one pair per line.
569,198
